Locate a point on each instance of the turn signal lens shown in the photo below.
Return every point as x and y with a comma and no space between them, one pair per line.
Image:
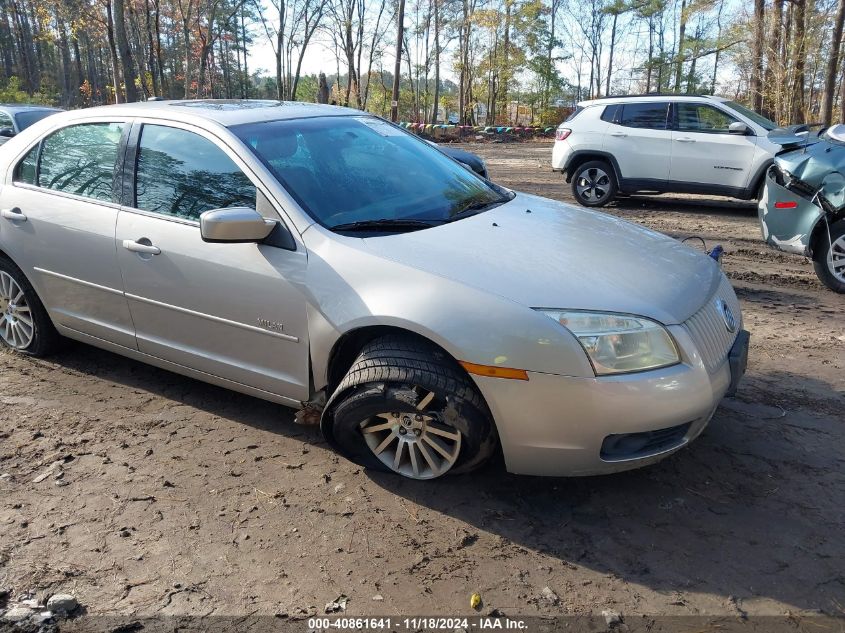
494,371
786,205
562,133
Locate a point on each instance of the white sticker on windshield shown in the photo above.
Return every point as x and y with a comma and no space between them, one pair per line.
382,127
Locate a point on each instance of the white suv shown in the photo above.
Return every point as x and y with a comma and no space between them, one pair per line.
663,143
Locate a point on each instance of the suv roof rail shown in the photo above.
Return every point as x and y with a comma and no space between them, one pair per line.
654,94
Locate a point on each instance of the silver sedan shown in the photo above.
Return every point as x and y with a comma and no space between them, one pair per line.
322,258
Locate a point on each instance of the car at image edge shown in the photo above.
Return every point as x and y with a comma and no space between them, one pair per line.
663,143
16,117
319,256
802,210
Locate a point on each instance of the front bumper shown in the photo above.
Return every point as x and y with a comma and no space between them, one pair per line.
559,426
786,229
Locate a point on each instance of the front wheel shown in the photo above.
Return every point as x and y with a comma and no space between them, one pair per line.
594,184
829,258
407,407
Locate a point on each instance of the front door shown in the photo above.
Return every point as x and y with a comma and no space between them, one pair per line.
229,310
59,216
704,151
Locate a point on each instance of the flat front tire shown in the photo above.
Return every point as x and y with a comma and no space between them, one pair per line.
407,407
829,258
25,326
594,184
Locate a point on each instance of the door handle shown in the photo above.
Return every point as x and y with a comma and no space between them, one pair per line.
138,247
618,134
14,214
685,139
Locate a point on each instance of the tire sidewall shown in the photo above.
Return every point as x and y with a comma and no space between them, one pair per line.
821,255
612,187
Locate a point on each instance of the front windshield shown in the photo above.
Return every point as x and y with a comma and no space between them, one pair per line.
344,170
759,119
28,117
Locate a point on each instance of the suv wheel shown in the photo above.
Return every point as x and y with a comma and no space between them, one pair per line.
829,258
594,184
24,324
407,407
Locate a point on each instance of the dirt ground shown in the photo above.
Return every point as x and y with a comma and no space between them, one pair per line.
176,497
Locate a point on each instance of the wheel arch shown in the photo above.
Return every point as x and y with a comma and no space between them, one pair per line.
347,347
819,231
581,156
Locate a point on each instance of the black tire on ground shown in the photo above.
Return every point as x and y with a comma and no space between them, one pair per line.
594,183
395,373
45,339
821,254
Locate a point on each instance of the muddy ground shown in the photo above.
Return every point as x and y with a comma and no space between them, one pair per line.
175,497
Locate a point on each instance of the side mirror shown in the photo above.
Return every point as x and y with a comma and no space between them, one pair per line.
234,224
8,132
738,127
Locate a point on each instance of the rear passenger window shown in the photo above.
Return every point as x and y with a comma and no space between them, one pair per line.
79,159
611,113
648,115
182,174
578,110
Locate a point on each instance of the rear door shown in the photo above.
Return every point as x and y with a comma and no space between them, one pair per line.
230,310
704,151
58,223
640,139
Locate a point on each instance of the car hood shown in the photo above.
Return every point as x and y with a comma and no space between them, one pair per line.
820,167
546,254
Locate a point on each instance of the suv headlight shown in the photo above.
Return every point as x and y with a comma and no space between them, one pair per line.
619,343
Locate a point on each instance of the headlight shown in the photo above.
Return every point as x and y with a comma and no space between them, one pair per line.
619,343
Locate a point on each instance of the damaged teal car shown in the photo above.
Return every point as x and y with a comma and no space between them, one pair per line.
802,209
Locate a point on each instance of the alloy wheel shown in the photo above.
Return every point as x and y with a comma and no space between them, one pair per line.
593,184
17,328
414,444
836,259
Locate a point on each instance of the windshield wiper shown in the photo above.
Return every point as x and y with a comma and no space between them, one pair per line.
388,224
477,207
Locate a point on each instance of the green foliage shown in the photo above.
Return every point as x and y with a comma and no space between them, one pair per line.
12,92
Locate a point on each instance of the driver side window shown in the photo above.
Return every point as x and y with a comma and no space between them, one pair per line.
699,117
181,174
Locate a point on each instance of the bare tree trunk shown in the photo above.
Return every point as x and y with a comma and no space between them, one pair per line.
610,57
115,62
800,47
125,52
757,56
679,58
832,64
436,104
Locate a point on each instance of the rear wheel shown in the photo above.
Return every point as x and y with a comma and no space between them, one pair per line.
829,258
24,324
406,406
594,184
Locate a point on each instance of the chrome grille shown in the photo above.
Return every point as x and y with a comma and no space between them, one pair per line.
707,327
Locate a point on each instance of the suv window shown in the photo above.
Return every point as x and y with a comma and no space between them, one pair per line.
647,114
701,117
79,159
5,120
182,174
611,113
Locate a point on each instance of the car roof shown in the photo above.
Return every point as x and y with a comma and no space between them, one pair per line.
650,97
226,112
